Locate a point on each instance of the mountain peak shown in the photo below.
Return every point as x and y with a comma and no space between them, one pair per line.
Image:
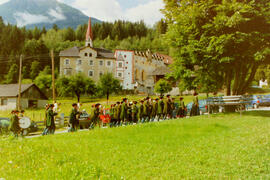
41,13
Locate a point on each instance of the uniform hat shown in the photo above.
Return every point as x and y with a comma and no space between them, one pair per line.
117,102
181,98
168,95
135,102
51,105
74,104
147,98
142,100
157,99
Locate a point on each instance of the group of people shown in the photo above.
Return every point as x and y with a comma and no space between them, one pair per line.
125,112
146,110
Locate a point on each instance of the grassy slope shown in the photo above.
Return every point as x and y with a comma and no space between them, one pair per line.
222,146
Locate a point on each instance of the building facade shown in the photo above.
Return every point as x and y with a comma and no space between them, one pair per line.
135,69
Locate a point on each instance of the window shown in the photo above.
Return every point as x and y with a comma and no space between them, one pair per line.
120,74
137,74
91,62
90,73
32,103
101,63
120,64
90,54
109,63
79,62
67,61
100,73
3,102
67,71
143,75
85,54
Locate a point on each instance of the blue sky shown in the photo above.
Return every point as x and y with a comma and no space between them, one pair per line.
111,10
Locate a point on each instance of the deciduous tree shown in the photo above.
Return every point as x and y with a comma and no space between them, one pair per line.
227,40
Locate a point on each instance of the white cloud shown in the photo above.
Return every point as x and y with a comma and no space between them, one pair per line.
57,14
110,10
106,10
3,1
25,18
149,12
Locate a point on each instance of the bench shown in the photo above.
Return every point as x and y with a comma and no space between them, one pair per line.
228,103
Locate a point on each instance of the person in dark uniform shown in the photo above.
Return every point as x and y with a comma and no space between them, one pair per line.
145,112
195,111
173,108
117,113
14,123
167,107
50,123
112,113
154,109
129,112
134,110
181,109
124,108
94,117
73,120
140,111
160,108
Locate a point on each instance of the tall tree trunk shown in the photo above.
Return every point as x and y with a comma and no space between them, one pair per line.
228,82
243,76
249,80
236,80
108,94
78,97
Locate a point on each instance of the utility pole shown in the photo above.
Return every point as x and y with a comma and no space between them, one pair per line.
20,84
53,77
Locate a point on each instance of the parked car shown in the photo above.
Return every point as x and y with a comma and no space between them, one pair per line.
265,100
5,122
255,101
202,106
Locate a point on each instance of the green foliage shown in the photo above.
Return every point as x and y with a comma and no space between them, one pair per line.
35,67
44,80
27,81
108,84
163,86
13,75
218,43
77,84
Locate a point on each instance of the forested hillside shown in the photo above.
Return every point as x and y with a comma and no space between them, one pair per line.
35,44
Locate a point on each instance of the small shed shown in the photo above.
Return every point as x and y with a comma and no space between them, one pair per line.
31,96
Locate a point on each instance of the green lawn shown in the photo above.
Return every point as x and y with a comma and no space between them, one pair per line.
216,147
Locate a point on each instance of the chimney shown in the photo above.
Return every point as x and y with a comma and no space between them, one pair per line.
89,35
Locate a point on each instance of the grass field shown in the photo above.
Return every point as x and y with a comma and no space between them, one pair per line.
216,147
